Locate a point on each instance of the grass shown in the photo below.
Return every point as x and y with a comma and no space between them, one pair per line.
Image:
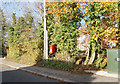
58,65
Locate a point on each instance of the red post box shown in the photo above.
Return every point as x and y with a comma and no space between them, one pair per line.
7,48
51,49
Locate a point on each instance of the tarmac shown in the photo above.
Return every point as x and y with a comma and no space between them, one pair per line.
60,75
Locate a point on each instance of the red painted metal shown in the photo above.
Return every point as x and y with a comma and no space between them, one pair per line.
6,47
51,49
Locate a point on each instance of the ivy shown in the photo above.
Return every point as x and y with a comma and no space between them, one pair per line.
62,25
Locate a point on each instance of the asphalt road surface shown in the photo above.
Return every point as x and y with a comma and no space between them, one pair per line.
13,75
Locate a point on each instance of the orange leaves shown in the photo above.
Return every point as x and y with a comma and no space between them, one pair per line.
105,5
105,59
17,45
46,0
78,5
86,10
83,14
34,35
67,3
58,11
82,30
63,8
63,11
69,11
98,9
115,16
113,41
48,15
59,19
90,2
96,28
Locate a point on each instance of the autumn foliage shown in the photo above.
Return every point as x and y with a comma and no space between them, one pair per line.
64,22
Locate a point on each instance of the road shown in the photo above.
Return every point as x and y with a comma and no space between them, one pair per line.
13,75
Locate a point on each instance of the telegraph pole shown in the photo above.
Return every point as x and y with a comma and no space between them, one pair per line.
45,35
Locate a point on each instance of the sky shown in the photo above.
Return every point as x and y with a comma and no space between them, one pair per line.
10,7
19,8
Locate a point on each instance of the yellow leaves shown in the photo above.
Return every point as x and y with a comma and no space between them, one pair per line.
93,36
117,34
101,6
118,38
98,34
113,41
18,51
30,29
102,33
86,10
92,27
116,9
96,28
111,47
48,9
75,8
49,12
48,4
115,16
71,9
67,3
91,22
61,12
105,5
90,2
116,30
64,10
77,4
113,30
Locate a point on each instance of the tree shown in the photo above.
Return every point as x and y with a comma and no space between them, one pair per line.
102,30
3,31
63,21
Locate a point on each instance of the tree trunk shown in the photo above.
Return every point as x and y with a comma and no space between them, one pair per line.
98,61
87,57
92,58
